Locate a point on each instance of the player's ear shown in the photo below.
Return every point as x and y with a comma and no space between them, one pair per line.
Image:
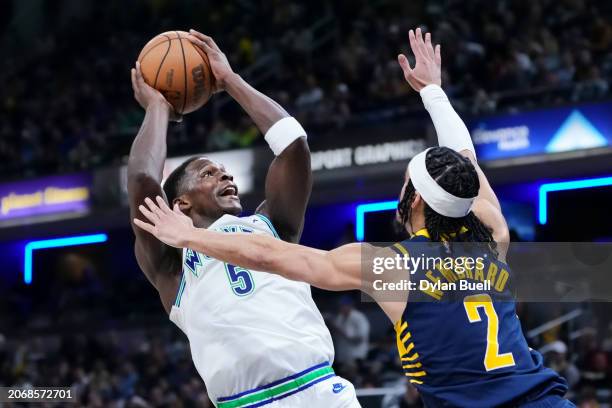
417,202
183,202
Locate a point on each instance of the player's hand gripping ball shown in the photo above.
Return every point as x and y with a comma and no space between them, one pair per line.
179,70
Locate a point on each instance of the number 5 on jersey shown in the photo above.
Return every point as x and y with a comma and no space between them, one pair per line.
240,280
493,360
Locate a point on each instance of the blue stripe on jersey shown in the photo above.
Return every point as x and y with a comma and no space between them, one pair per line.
268,223
181,289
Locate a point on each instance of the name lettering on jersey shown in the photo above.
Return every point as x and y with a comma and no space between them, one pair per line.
481,277
193,262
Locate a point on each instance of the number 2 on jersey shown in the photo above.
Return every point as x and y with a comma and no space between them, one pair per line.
493,360
240,279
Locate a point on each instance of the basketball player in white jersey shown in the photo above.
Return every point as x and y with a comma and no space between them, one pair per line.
257,339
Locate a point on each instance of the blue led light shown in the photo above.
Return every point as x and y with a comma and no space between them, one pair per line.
31,246
361,211
564,186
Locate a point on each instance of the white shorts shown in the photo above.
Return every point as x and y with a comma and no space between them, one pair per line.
335,392
315,387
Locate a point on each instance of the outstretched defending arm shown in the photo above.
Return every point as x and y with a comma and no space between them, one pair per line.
339,269
289,180
159,262
348,267
425,78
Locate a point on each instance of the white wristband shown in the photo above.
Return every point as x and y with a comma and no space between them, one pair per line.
283,133
451,130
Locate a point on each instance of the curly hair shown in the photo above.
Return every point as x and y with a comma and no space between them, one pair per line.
173,187
457,175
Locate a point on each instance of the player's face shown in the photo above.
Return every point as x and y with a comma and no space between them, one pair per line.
212,190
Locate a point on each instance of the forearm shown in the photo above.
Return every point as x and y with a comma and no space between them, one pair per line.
264,111
450,128
148,152
246,250
453,133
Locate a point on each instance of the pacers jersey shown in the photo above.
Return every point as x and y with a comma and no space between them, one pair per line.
246,328
462,345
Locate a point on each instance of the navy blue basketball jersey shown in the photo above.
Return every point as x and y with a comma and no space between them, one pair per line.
462,345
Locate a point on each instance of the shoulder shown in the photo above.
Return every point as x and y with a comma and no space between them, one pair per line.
262,219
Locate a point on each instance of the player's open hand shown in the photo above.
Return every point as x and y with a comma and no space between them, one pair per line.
428,66
172,227
219,64
147,96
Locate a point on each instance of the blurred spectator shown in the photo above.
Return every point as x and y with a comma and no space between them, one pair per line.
330,64
351,329
555,355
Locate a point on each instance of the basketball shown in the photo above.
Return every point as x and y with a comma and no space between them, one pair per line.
171,64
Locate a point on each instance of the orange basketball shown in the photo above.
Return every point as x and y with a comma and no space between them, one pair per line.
171,64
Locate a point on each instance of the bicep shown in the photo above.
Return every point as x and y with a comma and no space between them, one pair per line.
154,257
288,186
493,219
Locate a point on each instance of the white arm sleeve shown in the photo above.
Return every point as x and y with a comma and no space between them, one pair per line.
451,130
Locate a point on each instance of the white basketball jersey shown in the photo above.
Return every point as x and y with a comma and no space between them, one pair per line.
246,328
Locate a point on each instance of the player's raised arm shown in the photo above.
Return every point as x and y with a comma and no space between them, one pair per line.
426,78
159,262
289,179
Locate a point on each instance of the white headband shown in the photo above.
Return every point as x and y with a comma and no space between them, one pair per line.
440,200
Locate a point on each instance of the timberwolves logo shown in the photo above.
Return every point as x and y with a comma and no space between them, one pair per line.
192,262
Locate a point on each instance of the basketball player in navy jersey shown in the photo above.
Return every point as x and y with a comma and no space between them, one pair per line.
463,348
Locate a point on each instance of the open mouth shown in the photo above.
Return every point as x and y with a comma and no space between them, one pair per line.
230,191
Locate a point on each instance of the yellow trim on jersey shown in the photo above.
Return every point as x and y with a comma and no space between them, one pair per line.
424,233
417,374
411,358
400,248
416,381
406,351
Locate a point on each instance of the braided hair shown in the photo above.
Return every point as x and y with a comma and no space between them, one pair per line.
457,175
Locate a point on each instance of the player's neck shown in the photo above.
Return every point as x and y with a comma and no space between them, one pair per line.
416,223
202,221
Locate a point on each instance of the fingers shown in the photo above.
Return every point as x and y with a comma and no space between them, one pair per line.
154,208
163,205
177,209
413,43
199,43
428,46
133,75
148,214
145,226
421,43
438,55
403,61
139,76
205,38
